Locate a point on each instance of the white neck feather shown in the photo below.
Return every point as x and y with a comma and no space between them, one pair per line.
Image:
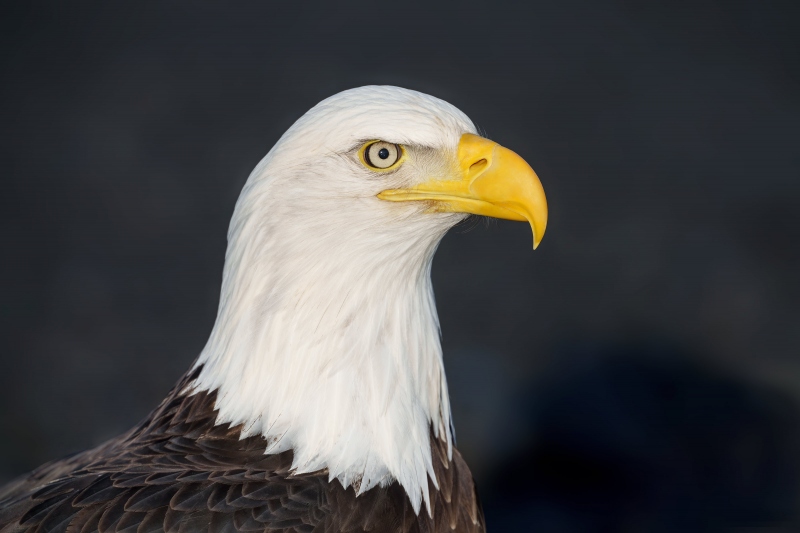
327,340
328,347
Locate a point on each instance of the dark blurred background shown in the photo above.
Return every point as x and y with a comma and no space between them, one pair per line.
639,372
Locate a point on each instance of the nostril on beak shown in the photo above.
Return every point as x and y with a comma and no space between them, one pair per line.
477,167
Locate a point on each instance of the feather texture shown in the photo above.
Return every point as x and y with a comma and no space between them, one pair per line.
156,479
327,338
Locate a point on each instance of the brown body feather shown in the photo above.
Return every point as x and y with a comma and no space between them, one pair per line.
177,471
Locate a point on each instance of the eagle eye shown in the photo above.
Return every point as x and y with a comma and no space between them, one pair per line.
380,155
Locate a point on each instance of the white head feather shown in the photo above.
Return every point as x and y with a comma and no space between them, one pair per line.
327,339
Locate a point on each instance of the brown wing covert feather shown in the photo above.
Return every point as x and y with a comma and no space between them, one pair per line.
178,472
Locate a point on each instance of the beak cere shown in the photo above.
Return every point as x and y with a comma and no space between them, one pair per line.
494,182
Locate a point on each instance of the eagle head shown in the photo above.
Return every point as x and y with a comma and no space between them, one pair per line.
327,340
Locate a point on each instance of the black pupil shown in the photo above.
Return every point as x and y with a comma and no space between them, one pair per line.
383,153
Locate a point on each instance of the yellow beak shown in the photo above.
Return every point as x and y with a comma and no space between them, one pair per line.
494,182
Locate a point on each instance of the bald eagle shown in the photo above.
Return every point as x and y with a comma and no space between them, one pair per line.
319,403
